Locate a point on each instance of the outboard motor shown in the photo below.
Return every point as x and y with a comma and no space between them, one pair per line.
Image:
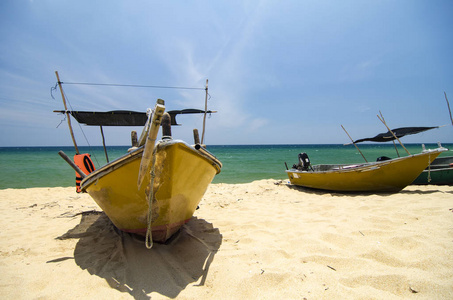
383,158
304,162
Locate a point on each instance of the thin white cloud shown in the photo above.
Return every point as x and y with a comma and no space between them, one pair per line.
267,63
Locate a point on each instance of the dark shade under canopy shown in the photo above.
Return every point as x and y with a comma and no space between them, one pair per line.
123,117
399,132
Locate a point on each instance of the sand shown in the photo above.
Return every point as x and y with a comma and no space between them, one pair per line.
261,240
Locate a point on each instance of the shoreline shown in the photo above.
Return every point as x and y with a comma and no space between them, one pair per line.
254,240
241,164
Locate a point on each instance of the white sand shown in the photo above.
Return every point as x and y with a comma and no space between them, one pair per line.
247,241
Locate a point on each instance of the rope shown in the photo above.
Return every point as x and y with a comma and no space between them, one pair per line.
134,85
80,127
429,168
53,89
149,231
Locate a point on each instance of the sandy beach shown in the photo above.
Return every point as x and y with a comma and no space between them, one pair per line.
260,240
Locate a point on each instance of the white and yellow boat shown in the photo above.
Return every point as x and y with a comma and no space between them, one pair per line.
390,175
155,187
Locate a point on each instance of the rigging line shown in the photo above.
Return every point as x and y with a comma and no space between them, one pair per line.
135,85
83,132
64,119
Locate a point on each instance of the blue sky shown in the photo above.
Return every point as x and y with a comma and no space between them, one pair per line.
280,72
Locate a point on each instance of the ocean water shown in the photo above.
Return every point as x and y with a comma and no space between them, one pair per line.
25,167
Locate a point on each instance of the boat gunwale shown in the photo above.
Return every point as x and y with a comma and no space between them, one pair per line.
135,154
362,167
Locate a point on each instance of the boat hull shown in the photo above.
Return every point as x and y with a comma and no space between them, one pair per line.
182,175
385,176
440,172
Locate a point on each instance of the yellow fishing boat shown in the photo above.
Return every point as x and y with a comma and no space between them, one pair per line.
155,187
390,175
181,176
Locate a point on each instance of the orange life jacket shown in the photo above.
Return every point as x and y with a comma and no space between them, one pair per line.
84,162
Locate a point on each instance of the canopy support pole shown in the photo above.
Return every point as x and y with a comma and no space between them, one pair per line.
354,143
383,121
103,143
449,110
67,113
205,112
396,149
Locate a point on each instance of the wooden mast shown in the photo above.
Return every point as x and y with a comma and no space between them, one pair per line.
67,113
205,112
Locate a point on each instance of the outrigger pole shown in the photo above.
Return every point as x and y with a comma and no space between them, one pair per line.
67,113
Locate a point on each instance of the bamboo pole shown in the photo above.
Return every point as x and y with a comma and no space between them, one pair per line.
205,112
72,164
103,143
67,113
383,121
396,149
354,143
449,110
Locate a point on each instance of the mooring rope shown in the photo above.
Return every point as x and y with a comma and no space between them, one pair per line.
149,231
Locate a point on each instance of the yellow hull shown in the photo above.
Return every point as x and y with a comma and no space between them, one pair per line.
182,175
386,176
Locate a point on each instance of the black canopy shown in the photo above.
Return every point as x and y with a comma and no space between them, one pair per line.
123,117
399,132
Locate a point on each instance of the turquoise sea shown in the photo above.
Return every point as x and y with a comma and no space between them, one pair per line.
25,167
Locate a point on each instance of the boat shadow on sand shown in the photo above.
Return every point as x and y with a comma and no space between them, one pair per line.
356,194
124,262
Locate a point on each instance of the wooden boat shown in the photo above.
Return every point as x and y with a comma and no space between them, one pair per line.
384,175
182,174
390,175
439,172
155,187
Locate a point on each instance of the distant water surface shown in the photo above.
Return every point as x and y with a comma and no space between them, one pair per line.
25,167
